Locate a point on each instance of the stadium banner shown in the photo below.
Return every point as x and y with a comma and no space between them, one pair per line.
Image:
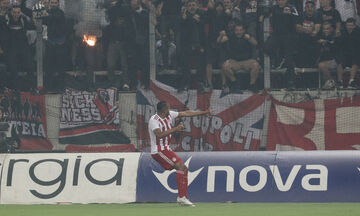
2,159
288,176
69,178
321,124
89,118
236,122
27,114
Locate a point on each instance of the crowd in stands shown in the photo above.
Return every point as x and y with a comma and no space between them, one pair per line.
123,43
190,34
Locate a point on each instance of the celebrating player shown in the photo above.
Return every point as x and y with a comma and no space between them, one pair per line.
160,130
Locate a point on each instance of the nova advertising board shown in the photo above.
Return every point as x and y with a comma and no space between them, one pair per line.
73,178
311,176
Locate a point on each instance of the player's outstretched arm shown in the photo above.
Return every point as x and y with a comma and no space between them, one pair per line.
161,134
190,113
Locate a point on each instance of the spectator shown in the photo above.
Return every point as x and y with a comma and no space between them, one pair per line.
171,52
329,54
252,15
192,40
218,21
22,4
316,3
232,9
118,35
17,47
4,12
326,12
308,26
351,51
5,7
238,47
169,21
140,58
284,17
9,139
55,51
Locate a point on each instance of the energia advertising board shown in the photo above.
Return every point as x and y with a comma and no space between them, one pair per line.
73,178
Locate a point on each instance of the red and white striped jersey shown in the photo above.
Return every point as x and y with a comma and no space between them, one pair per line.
159,144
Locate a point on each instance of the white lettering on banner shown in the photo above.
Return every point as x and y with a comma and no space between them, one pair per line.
289,115
229,178
249,136
185,143
26,128
78,101
80,115
101,178
205,125
237,136
187,124
290,179
225,134
243,179
216,123
322,176
262,178
201,146
196,120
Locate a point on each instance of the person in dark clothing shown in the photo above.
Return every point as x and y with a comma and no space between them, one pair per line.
193,42
350,43
252,14
328,13
329,58
307,27
238,47
17,48
169,21
140,45
22,4
55,51
118,35
283,18
9,139
218,21
4,11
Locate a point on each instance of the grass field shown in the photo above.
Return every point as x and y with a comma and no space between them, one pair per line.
172,209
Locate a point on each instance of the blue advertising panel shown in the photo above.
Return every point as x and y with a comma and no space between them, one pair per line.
293,176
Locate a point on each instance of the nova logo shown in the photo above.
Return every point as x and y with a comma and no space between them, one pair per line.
314,177
310,181
163,177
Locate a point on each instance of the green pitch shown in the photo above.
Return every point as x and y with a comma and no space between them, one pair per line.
172,209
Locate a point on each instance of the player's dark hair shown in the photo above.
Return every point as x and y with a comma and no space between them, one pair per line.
161,106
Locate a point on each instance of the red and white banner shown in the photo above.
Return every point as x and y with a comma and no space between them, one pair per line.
90,118
330,124
27,113
236,123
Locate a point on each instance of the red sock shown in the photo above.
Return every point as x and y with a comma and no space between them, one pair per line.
182,183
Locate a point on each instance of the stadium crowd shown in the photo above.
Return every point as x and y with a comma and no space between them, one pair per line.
190,34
